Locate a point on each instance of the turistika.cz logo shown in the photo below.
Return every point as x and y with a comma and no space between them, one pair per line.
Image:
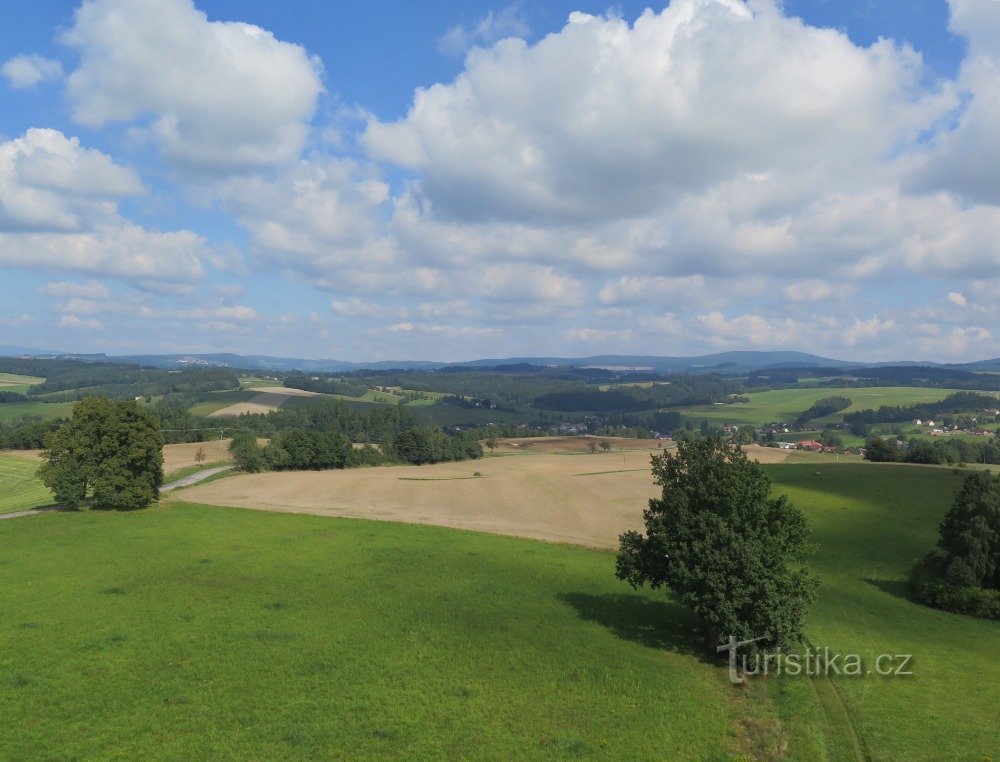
813,662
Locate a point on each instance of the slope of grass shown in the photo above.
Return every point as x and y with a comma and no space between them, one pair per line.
787,404
870,524
47,410
194,632
20,489
14,379
212,401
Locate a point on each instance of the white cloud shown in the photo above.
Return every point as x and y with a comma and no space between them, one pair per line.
630,289
355,307
597,335
957,299
27,71
966,159
606,120
220,96
75,323
59,212
865,330
125,251
49,182
494,26
92,289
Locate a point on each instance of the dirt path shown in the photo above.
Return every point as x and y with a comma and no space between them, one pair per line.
201,476
32,512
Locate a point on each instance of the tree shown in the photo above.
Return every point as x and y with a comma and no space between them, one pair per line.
723,545
491,442
247,454
963,576
878,450
200,456
592,446
971,528
110,454
605,445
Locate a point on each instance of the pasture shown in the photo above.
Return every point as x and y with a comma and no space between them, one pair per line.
787,404
257,635
12,382
47,410
261,633
20,489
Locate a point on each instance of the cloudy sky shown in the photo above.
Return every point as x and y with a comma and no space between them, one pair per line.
449,180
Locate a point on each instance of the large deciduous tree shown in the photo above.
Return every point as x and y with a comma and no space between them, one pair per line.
109,454
723,545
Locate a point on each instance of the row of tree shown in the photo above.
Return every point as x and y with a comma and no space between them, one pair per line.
939,452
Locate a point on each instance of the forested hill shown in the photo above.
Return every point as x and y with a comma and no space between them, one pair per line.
68,380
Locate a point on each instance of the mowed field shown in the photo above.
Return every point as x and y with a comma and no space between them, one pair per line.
47,410
548,489
787,404
12,382
187,632
268,634
20,489
263,400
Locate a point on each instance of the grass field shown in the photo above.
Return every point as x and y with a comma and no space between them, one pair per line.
12,382
788,404
267,636
214,401
20,489
870,524
47,410
255,382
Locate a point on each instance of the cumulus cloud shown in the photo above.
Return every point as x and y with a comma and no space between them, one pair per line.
218,96
494,26
76,323
92,289
48,182
966,158
59,212
27,71
604,119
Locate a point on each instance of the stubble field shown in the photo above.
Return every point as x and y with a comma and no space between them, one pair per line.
547,489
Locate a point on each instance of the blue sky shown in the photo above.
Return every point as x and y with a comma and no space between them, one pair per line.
455,180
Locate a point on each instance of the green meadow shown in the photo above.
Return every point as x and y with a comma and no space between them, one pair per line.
47,410
20,489
787,404
12,382
870,524
185,630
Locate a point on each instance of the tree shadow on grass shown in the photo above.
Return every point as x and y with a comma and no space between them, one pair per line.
898,588
663,625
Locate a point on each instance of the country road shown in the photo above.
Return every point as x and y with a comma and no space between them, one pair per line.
187,481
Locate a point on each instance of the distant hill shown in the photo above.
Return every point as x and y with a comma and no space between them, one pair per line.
721,362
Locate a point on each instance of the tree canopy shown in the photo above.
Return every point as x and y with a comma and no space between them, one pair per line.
723,545
109,454
964,575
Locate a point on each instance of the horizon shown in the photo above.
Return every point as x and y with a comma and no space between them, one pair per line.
517,179
6,351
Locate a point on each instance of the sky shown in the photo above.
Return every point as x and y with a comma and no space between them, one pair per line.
454,180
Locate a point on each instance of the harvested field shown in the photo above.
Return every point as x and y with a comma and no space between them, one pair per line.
580,498
576,444
270,398
177,457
